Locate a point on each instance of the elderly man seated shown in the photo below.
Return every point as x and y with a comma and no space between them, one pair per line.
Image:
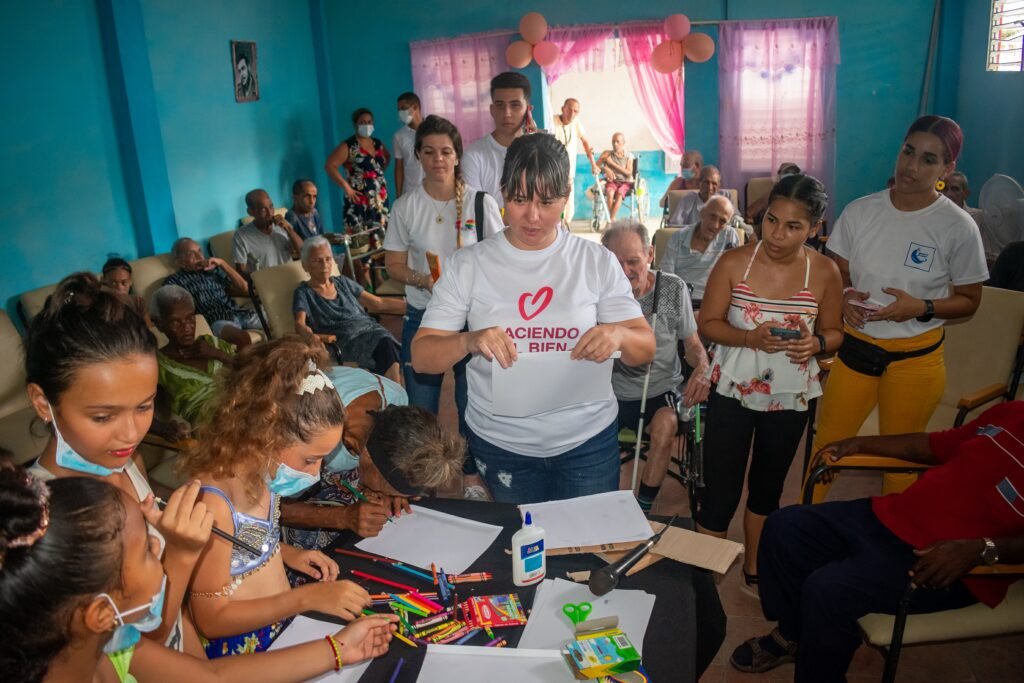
332,308
689,174
824,566
268,241
694,250
631,245
688,209
188,364
212,283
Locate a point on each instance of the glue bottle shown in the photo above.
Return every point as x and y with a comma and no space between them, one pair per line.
528,565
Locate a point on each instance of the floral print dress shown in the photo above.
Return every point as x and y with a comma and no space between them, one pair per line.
366,176
759,380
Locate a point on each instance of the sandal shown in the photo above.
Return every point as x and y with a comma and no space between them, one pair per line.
758,655
749,585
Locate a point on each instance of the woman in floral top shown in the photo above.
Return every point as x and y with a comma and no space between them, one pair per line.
769,308
365,159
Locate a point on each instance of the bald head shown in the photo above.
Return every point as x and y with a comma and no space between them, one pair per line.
715,215
570,110
720,204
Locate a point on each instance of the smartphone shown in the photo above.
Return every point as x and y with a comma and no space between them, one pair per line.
785,333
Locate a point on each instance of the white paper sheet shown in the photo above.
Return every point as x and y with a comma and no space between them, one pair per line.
549,628
303,630
539,382
446,663
590,520
427,536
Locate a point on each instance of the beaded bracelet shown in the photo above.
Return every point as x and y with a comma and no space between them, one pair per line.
337,651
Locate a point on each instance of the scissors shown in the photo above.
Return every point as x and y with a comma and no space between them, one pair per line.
577,612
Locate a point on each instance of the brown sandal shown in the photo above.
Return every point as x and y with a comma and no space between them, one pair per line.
752,657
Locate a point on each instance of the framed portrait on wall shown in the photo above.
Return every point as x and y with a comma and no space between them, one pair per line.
243,70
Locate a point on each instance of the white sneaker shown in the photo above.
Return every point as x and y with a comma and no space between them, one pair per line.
475,493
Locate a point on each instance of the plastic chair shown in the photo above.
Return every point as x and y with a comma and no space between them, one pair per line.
756,189
149,273
222,245
31,303
275,287
16,413
674,196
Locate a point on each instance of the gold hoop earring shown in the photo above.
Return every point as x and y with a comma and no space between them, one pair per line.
940,184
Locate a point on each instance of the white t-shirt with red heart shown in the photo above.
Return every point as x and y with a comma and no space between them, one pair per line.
545,300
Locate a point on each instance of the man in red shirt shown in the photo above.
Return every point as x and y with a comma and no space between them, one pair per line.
824,566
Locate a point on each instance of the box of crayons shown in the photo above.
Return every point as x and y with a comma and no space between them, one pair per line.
493,611
601,649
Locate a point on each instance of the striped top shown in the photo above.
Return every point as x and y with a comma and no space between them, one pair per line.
760,380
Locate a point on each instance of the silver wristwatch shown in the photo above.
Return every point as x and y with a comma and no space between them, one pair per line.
990,555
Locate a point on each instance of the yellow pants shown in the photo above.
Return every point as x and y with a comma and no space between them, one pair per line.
906,396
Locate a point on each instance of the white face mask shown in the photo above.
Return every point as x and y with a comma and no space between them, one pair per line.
405,116
366,130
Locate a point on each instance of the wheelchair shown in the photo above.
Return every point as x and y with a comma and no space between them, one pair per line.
638,198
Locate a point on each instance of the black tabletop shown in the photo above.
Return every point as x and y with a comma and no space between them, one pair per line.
686,629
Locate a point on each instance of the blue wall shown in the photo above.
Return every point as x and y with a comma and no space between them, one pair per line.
989,108
64,202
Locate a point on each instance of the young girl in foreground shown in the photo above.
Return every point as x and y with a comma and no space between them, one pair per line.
277,417
80,579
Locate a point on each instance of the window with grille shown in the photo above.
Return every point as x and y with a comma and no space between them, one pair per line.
1006,36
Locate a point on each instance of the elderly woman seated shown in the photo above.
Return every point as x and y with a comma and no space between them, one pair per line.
335,309
188,364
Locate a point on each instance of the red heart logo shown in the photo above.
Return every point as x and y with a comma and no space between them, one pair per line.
538,302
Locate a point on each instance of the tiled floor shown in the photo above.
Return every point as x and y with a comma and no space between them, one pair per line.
995,660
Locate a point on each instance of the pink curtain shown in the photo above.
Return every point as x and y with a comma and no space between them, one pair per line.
452,79
660,95
582,48
777,98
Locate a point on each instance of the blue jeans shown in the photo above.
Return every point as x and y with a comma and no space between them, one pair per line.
591,467
425,390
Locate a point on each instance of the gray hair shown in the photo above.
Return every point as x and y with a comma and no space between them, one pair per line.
536,164
706,171
178,245
962,175
311,243
623,226
167,296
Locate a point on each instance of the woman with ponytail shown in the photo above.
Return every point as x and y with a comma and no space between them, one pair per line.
428,224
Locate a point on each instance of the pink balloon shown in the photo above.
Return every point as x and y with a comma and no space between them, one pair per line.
667,57
677,26
533,27
699,47
545,53
519,54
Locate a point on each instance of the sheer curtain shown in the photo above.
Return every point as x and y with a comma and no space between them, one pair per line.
452,78
660,95
582,48
777,98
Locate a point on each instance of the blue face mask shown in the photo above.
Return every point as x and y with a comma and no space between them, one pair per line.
288,482
341,460
126,635
69,459
686,174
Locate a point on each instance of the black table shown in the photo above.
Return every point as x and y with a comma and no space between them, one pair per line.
687,625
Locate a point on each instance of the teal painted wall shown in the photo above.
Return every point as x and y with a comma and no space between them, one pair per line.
64,204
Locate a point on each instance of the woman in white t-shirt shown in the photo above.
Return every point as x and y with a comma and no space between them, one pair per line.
535,288
438,217
900,251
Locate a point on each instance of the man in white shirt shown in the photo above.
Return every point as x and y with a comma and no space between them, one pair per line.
694,250
511,111
408,170
569,131
269,240
687,211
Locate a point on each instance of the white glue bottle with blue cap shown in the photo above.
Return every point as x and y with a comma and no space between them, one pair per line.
528,565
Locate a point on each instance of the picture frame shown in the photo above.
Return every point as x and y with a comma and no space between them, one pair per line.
244,72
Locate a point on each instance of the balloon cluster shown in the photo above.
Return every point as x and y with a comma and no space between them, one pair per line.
532,27
668,55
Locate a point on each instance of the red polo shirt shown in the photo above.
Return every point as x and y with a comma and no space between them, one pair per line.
977,491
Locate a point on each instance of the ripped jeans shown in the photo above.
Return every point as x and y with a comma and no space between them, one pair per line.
592,467
425,390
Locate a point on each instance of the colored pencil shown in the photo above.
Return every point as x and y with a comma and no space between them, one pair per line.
161,503
497,642
433,570
408,599
359,496
409,570
365,556
467,637
419,597
405,640
398,669
371,577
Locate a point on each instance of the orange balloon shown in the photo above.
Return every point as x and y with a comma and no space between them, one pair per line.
698,47
519,54
545,53
667,57
533,27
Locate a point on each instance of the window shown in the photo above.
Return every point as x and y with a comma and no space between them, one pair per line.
1006,36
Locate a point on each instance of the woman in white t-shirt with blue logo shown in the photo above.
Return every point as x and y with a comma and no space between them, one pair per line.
900,251
438,217
532,288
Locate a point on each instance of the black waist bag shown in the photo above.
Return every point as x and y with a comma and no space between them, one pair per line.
872,360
